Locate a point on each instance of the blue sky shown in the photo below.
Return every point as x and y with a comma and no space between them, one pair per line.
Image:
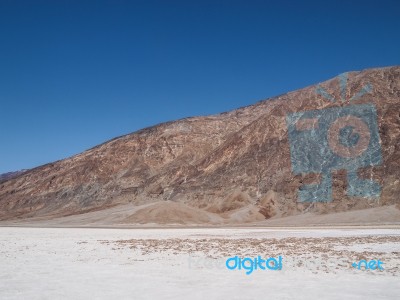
74,74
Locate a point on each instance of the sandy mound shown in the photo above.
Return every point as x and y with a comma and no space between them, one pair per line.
169,212
371,216
268,204
234,201
246,214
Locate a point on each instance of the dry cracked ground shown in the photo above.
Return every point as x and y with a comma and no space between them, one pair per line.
189,263
325,254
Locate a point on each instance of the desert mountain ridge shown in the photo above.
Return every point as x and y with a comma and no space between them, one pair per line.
9,175
235,167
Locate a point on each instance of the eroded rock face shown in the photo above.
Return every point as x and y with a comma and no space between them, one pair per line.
203,160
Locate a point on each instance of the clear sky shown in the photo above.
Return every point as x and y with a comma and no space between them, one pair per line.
74,74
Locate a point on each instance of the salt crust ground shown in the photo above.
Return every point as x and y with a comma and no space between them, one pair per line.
80,263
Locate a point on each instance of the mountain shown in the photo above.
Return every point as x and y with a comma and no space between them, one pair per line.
328,148
10,175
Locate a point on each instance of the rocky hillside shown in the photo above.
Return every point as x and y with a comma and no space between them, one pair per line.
10,175
261,160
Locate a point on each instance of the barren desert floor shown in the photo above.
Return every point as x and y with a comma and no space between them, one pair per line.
89,263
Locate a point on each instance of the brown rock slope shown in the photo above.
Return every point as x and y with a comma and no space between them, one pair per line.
221,164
